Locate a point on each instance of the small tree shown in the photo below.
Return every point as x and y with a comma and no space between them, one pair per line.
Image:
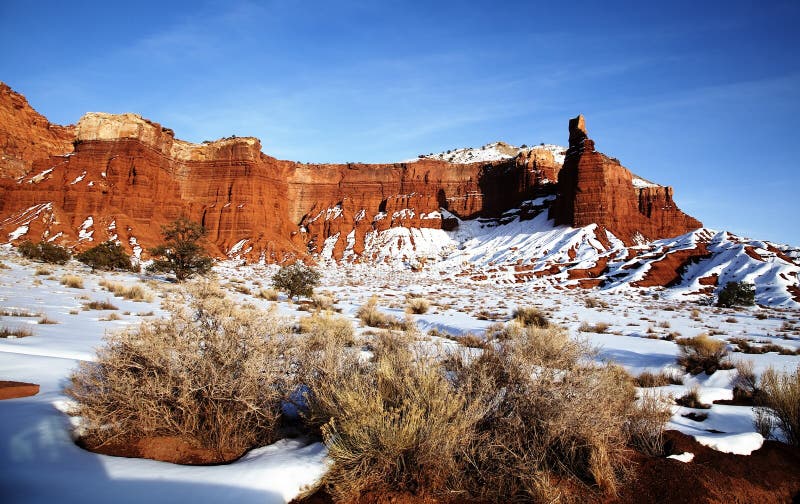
44,251
181,253
296,280
106,256
737,294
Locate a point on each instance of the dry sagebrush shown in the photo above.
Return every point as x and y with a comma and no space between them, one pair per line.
212,374
507,423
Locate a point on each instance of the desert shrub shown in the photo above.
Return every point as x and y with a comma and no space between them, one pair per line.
296,280
648,379
45,320
15,332
530,316
322,301
44,252
268,294
510,423
702,354
72,281
43,271
553,415
646,424
99,305
370,315
599,327
4,266
181,252
106,256
745,384
392,424
737,294
324,328
133,292
691,399
417,305
212,374
779,397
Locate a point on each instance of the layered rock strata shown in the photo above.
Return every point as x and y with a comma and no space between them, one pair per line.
122,176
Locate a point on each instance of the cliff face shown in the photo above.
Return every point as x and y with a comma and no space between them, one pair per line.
26,136
596,189
127,176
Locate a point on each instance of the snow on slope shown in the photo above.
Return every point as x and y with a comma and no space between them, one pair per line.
513,250
493,152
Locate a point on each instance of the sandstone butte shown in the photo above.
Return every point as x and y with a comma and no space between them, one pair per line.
122,177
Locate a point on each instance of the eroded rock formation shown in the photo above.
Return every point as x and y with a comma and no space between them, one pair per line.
596,189
126,176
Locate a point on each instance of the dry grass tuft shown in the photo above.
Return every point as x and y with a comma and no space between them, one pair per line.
599,327
703,354
417,305
325,328
660,379
392,424
646,424
133,292
15,332
212,375
268,294
530,316
72,281
47,320
99,305
371,316
778,399
43,271
691,399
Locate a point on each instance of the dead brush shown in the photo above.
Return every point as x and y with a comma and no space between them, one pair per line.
649,379
323,328
778,399
395,424
552,416
646,424
417,305
72,281
703,354
371,316
212,375
268,294
15,332
530,316
133,292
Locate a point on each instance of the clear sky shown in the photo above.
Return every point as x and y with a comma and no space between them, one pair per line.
703,96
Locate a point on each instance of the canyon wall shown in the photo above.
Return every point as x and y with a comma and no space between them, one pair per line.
122,177
596,189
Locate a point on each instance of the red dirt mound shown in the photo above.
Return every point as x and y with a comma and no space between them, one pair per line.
14,389
164,448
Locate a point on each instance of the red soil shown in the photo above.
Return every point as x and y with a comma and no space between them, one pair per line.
14,389
164,448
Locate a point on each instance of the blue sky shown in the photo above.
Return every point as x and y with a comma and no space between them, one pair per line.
703,96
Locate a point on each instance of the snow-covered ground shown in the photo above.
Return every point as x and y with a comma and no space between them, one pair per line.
42,464
493,152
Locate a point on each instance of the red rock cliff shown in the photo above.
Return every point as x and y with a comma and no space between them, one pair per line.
128,176
26,136
594,188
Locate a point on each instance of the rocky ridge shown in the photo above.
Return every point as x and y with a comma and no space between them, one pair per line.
523,216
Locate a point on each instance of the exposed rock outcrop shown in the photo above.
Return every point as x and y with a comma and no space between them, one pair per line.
26,136
596,189
127,176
